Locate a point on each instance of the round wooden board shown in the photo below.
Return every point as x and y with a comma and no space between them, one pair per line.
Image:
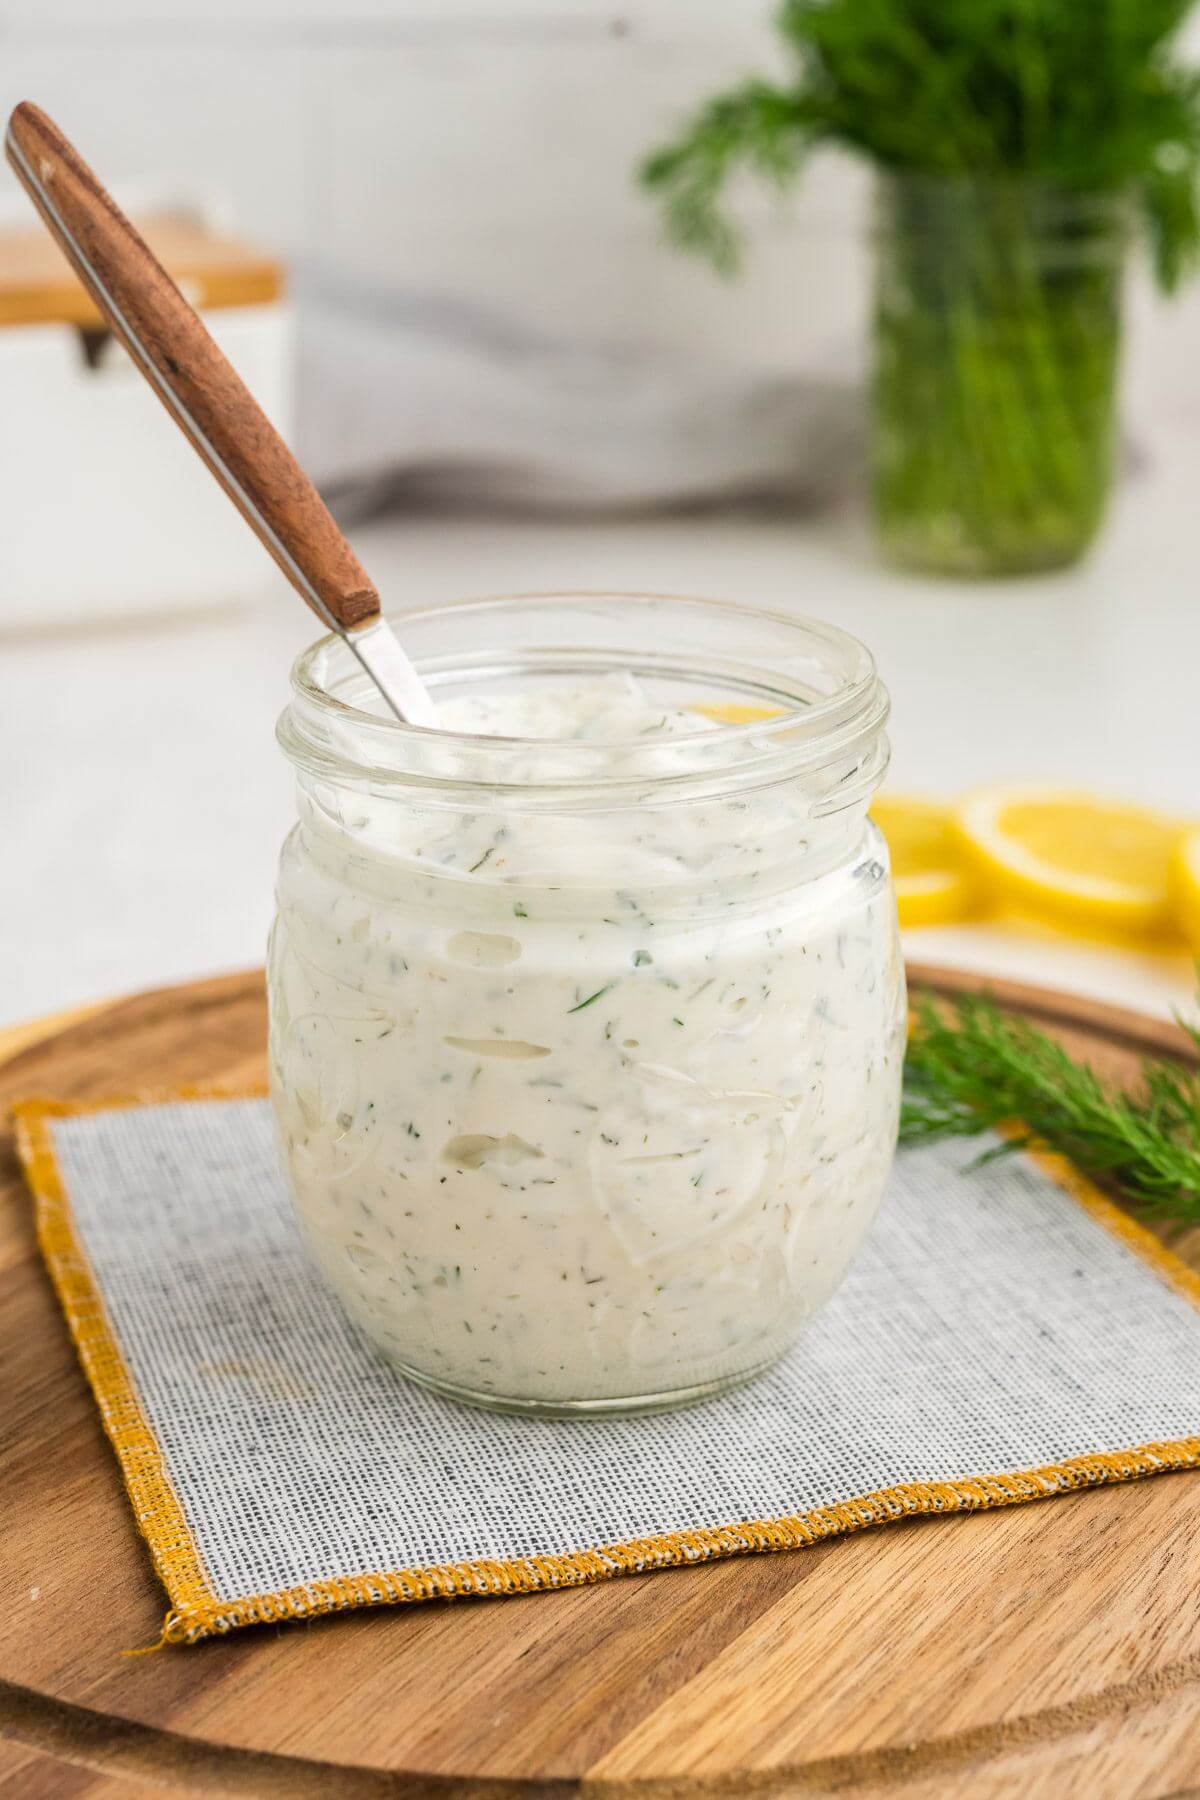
1049,1649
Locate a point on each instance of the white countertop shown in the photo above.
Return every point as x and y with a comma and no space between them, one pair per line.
146,797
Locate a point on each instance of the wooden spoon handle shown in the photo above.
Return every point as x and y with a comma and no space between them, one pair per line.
203,393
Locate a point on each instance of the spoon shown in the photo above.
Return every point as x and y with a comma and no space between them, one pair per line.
211,404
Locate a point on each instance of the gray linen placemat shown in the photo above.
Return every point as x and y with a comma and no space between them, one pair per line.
999,1339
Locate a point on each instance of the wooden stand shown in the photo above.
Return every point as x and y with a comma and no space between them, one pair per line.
1049,1650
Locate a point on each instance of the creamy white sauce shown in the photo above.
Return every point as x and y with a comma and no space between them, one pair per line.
592,1106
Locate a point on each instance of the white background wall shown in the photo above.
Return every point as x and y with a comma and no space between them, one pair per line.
426,143
471,161
468,163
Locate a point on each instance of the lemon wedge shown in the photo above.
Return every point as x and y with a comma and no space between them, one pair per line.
933,883
1094,863
1187,885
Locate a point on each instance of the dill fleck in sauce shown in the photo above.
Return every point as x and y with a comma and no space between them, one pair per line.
585,1107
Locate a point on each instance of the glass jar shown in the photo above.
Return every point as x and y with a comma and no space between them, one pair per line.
585,1055
996,345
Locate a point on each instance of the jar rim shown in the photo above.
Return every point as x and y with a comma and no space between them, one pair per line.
323,730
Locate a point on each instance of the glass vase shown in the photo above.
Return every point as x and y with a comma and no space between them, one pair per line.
997,338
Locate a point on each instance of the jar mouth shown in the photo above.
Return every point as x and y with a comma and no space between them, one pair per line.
810,692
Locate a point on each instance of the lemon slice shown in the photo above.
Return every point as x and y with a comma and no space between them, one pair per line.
735,712
1092,862
1187,884
933,883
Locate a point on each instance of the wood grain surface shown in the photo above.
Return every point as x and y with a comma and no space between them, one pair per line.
1047,1650
37,286
201,390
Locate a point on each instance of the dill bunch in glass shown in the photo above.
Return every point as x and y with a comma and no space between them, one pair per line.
1019,141
1089,97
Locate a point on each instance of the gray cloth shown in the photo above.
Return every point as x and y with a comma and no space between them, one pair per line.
990,1325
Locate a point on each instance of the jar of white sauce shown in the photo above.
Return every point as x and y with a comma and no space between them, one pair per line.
587,1010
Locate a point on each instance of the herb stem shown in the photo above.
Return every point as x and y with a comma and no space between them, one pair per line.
592,997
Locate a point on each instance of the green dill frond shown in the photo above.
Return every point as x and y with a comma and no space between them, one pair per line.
971,1067
759,127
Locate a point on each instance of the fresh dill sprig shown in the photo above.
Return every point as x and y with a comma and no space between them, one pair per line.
971,1067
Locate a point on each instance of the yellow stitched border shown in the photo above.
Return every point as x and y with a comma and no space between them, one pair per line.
197,1612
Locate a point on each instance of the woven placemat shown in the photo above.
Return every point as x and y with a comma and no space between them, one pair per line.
1006,1335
